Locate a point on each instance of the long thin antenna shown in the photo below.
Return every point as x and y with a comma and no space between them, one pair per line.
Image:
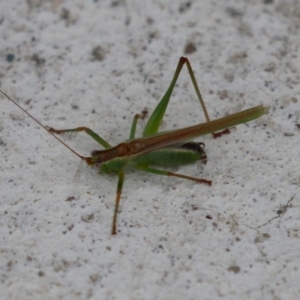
33,118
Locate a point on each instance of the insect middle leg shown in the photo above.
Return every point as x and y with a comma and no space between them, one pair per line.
141,116
118,197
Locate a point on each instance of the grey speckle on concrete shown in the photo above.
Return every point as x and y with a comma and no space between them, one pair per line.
97,64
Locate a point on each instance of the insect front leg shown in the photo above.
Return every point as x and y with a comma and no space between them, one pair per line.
88,131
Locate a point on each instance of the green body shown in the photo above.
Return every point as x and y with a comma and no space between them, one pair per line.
160,149
169,149
165,157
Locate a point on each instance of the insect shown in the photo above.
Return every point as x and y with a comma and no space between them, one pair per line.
166,149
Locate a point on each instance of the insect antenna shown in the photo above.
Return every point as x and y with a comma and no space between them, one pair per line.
45,127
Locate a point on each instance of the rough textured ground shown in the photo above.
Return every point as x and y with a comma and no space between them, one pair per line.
96,64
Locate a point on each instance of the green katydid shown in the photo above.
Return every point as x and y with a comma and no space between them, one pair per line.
167,149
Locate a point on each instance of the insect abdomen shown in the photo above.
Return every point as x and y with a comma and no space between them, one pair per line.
171,157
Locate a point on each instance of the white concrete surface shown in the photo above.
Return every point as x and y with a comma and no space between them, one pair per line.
238,239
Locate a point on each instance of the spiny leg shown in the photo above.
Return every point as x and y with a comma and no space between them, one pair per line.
166,173
141,116
118,197
88,131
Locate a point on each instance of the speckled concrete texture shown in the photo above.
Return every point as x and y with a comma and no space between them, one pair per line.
97,64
